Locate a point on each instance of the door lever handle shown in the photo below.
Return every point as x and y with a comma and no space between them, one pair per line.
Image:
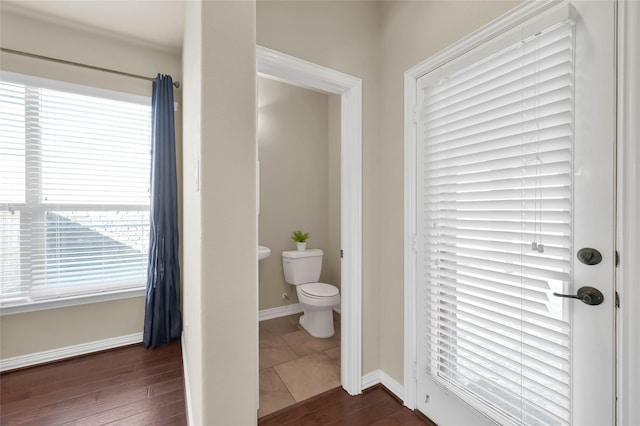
588,295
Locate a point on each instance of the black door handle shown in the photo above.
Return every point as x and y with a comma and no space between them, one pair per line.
588,295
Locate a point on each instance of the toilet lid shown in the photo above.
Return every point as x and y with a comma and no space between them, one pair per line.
319,289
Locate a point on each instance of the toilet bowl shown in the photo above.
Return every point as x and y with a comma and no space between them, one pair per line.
317,304
302,270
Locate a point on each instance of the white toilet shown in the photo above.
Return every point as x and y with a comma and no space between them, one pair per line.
302,269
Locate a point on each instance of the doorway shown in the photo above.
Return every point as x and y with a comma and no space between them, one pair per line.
299,154
513,176
279,66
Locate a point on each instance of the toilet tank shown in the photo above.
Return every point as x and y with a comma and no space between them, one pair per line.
302,267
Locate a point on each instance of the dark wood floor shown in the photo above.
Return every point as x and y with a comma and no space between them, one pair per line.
376,406
136,386
128,386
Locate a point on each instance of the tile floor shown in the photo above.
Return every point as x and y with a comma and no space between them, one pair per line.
294,365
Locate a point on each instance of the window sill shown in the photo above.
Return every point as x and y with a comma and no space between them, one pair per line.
41,305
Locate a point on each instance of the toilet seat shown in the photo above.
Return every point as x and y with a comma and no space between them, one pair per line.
318,290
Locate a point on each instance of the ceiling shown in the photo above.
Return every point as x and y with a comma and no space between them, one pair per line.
159,22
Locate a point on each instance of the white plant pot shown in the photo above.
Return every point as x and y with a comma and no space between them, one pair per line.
302,246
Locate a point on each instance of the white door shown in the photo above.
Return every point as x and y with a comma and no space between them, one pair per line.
515,175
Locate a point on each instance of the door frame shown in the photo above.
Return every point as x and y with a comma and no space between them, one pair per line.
283,67
628,212
627,203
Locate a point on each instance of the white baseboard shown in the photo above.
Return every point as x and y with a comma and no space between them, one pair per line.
68,351
283,311
280,311
187,387
371,379
380,377
391,384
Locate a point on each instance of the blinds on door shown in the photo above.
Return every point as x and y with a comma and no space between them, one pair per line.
496,225
74,182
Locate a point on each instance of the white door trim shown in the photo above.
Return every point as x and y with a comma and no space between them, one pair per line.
280,66
628,196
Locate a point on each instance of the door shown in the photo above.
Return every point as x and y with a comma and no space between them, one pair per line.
514,218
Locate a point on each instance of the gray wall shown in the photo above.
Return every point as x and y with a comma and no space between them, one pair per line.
295,171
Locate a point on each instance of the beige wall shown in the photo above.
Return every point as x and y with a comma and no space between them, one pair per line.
410,33
32,332
191,235
293,145
331,261
374,41
56,328
343,36
378,42
220,284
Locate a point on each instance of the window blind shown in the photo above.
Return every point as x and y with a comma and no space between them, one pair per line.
495,159
74,199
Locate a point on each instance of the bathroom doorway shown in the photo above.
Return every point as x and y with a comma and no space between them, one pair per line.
299,155
304,162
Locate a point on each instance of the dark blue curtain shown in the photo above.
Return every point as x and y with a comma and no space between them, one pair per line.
162,320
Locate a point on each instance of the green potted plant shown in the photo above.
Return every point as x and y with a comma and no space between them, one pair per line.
301,239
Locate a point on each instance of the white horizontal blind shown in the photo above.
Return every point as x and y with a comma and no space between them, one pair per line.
74,200
496,224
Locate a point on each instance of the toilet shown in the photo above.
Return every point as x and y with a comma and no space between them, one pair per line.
302,270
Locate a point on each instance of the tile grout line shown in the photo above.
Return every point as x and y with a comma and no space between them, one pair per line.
314,352
285,385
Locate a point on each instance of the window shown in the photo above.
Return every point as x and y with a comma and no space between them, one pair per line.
74,190
496,188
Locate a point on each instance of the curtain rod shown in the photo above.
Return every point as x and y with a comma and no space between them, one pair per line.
176,84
